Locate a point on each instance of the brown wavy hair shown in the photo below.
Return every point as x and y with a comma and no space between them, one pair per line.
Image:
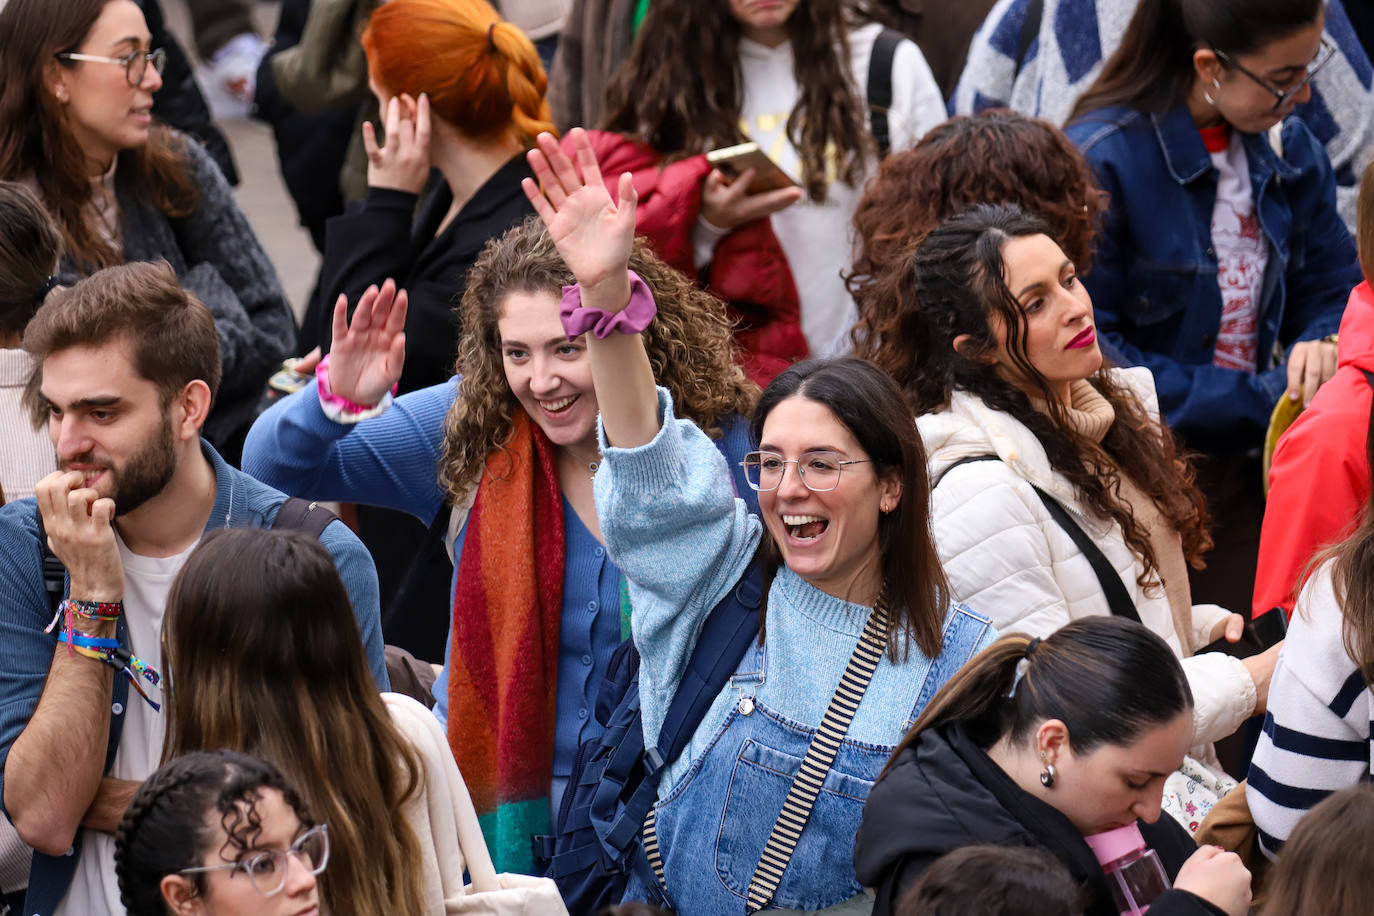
680,88
272,664
960,286
998,156
689,343
482,74
36,139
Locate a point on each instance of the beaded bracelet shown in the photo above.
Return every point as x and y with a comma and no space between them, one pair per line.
88,610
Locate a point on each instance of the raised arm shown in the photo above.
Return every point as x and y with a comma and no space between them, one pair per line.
595,233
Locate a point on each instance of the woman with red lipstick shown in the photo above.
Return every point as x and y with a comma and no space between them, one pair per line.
77,79
1012,401
856,616
501,460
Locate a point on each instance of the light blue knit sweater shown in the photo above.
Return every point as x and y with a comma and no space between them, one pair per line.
1076,36
682,539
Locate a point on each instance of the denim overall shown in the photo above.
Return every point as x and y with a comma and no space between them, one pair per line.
712,826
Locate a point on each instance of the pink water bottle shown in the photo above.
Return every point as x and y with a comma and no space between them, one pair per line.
1133,870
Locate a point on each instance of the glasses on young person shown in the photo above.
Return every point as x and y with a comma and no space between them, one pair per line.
135,63
819,471
267,868
1282,96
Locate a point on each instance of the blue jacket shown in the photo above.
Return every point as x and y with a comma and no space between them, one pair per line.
26,651
1154,278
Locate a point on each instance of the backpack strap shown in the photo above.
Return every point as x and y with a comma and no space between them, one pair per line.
1118,598
880,87
1030,28
303,515
54,572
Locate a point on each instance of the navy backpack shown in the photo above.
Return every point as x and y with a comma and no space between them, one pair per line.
615,778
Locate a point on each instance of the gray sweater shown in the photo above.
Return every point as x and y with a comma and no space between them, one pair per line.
219,259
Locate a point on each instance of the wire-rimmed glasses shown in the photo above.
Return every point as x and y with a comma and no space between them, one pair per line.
819,471
135,63
1324,55
267,868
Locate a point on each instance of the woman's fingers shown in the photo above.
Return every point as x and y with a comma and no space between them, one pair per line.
340,323
374,152
628,200
550,188
537,200
422,123
586,157
560,163
396,318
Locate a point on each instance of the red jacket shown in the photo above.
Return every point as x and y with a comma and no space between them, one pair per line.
749,270
1319,479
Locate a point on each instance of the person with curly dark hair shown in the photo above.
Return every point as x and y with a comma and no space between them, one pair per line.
996,157
1018,411
790,76
510,443
219,833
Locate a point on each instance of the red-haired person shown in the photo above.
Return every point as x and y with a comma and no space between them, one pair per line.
462,95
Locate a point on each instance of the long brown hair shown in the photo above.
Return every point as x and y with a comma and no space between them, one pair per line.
1152,70
29,248
264,657
689,346
996,157
482,74
960,285
36,139
1327,866
680,89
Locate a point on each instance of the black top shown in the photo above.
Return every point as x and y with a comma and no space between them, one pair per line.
375,239
946,793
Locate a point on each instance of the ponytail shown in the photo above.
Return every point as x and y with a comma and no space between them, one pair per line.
482,74
1107,679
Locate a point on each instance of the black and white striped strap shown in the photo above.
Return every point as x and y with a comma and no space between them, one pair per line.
801,797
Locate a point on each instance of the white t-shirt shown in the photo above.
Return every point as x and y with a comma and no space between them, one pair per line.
1242,252
818,239
147,581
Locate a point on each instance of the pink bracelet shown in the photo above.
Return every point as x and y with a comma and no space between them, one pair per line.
330,398
632,319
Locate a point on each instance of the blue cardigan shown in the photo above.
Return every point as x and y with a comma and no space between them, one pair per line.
1154,277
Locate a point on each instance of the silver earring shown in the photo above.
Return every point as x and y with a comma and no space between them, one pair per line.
1048,774
1216,84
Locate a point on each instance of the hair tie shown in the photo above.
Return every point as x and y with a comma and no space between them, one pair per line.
491,37
1032,645
1023,666
48,286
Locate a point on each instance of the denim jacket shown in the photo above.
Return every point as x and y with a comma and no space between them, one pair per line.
1154,277
26,651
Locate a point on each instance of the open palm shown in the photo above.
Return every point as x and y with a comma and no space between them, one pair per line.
592,232
366,357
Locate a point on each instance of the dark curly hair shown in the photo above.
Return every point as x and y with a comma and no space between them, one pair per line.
165,829
996,157
680,88
960,284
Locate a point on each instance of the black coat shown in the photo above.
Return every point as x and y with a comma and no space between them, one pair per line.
945,793
375,239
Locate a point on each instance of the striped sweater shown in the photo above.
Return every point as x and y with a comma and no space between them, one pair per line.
1319,731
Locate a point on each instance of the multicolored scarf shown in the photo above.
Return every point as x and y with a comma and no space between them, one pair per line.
503,656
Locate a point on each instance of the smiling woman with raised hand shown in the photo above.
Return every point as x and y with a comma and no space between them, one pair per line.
856,592
77,79
511,444
1044,461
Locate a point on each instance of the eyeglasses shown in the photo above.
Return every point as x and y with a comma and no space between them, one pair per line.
819,471
266,868
1324,55
135,64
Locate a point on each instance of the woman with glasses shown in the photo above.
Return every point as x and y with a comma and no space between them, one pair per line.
219,833
1033,442
858,630
77,79
271,664
1223,264
500,462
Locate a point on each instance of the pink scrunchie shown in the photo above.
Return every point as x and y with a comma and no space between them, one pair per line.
329,397
632,319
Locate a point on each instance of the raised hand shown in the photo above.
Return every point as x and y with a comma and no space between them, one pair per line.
369,352
403,163
77,521
593,233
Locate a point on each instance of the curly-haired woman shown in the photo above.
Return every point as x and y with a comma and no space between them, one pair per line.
536,603
77,79
998,157
790,76
1019,415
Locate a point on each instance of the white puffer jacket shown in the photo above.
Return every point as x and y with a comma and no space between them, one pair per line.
1006,557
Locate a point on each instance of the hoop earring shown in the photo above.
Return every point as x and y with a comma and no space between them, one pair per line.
1047,775
1216,84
